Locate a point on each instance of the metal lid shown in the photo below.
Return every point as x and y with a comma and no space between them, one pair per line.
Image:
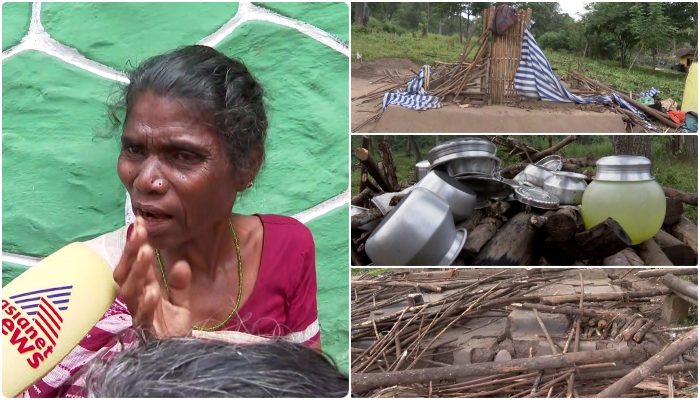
461,145
567,174
536,197
623,169
465,154
552,163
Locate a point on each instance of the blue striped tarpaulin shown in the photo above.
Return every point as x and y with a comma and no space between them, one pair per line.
414,97
534,79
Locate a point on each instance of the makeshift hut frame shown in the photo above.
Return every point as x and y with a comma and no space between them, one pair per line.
504,57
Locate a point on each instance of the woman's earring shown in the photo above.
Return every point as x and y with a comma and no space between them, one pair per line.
249,185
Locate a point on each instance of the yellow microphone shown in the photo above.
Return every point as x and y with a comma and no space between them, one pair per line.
48,310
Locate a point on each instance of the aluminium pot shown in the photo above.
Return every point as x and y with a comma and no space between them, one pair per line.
460,197
567,186
419,231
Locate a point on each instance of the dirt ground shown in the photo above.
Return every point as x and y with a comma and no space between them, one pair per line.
525,117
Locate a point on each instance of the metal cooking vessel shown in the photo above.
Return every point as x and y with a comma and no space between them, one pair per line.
422,169
475,144
567,186
486,186
419,231
552,163
475,165
537,175
460,197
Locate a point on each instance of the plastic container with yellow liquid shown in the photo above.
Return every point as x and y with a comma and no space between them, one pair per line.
625,190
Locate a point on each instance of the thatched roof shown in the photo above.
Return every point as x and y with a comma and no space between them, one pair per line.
685,52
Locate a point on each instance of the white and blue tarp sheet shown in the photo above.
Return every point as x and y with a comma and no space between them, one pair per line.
414,97
534,79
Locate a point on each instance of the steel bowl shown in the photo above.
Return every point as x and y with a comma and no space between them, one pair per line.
552,163
484,165
419,231
460,197
567,186
537,175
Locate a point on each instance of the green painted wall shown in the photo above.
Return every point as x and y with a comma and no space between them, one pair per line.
60,183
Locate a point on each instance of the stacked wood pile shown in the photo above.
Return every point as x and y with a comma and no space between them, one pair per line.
509,233
398,354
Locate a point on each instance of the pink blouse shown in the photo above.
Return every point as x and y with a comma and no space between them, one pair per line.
282,304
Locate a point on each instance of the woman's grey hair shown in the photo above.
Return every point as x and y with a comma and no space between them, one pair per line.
187,367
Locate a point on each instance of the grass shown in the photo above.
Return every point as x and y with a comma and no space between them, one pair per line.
371,271
676,172
418,49
640,79
375,44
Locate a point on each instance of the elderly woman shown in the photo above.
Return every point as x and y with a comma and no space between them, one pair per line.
193,128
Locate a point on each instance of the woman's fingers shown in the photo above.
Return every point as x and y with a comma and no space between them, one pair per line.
138,238
147,307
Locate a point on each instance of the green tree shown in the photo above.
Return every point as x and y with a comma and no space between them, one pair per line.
616,20
652,28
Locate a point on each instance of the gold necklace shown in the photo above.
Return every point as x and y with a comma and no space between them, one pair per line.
240,283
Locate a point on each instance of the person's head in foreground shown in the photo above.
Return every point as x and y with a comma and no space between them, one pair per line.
186,367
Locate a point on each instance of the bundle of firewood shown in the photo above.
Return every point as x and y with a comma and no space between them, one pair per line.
510,233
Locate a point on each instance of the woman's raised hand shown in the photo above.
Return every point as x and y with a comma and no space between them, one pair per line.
158,312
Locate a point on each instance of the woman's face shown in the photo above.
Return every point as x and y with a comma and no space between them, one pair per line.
176,171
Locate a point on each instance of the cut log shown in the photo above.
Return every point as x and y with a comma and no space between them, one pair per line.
365,179
480,235
365,217
651,366
514,244
472,221
629,332
361,197
652,254
421,285
372,168
677,252
639,336
616,260
564,224
655,273
674,211
680,286
544,153
633,258
385,152
363,382
603,240
573,298
687,198
687,232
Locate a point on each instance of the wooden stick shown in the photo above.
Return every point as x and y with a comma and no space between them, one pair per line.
372,168
361,197
557,310
651,366
653,273
571,298
546,332
362,382
421,285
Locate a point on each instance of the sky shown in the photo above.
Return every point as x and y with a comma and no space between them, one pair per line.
573,7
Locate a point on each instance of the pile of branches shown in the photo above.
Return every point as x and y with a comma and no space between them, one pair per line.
397,354
656,117
510,233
